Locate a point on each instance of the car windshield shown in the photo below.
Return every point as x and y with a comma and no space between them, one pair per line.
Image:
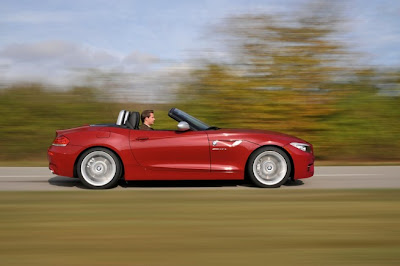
193,122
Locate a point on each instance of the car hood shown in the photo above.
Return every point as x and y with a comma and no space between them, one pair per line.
258,136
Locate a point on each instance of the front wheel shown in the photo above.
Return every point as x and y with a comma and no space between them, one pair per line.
99,168
269,167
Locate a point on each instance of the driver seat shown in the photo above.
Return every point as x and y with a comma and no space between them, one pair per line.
133,120
128,119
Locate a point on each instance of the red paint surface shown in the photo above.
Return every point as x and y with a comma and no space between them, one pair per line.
174,155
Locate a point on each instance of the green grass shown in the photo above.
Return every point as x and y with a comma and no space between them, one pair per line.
201,227
41,162
361,127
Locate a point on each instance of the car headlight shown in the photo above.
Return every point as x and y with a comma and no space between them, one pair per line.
301,146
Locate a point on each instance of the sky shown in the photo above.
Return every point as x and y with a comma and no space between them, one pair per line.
50,40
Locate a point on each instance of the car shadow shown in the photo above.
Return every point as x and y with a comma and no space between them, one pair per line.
66,182
62,181
185,184
199,184
293,183
76,183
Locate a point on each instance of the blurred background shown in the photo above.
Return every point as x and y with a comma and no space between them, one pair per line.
325,71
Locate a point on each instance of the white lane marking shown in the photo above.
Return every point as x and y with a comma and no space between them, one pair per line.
35,176
349,175
26,176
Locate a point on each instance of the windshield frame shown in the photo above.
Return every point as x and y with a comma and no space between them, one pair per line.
194,123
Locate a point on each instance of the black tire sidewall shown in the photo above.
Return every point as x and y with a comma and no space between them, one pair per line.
254,155
113,181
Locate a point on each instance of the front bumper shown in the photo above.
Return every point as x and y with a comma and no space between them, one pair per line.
303,162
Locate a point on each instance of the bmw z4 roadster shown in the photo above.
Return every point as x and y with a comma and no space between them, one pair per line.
101,155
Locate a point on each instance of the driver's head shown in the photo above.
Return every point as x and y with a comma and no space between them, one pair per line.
147,117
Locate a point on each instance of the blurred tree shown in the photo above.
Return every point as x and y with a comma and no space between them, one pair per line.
290,52
365,125
31,113
280,73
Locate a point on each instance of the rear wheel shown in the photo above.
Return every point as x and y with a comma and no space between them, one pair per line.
99,168
269,167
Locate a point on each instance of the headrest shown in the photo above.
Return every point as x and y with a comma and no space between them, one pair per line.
133,120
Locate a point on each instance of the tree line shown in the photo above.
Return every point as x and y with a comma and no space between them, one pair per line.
286,73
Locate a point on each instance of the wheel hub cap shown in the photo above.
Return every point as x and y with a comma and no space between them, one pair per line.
270,167
98,168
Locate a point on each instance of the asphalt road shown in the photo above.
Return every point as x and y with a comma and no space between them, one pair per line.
326,177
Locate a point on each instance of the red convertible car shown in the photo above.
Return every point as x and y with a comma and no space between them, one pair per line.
100,155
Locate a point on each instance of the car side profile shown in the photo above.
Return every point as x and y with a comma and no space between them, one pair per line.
100,155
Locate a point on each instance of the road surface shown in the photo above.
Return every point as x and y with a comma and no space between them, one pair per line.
326,177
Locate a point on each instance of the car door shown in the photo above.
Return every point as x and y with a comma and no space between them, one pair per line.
171,151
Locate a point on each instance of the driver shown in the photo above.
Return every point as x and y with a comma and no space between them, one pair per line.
148,119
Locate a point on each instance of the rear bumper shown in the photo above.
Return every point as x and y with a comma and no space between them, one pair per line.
62,159
303,162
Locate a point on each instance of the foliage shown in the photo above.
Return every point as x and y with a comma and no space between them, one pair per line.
30,115
290,75
365,124
284,73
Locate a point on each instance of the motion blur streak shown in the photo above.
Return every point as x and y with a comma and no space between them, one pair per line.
295,73
224,227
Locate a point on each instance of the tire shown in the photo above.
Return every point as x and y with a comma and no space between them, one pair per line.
269,167
99,168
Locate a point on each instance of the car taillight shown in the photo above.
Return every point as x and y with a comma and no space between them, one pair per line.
61,141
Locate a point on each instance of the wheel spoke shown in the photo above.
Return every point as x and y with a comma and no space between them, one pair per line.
98,168
270,167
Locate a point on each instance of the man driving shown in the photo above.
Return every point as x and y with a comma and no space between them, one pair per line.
148,119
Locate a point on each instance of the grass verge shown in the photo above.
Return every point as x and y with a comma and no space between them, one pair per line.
207,227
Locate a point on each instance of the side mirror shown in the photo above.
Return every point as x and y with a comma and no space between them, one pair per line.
183,126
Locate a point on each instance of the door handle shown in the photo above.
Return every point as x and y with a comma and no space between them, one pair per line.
142,138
